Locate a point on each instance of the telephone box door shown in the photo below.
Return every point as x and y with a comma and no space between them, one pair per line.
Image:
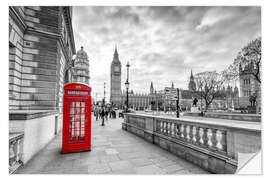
79,124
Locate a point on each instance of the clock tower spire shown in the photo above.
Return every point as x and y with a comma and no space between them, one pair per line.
115,96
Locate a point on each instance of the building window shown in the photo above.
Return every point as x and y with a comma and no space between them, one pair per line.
246,81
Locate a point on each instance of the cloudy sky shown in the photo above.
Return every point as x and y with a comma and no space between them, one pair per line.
162,44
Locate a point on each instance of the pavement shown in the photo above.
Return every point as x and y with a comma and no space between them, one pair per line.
114,151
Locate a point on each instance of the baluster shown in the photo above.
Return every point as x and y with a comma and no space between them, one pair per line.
205,137
218,138
223,141
190,132
174,130
18,151
194,130
182,131
163,127
185,132
160,125
209,136
166,127
178,130
11,154
197,135
157,126
171,129
214,139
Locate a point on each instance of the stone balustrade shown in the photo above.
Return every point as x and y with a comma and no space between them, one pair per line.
15,151
212,144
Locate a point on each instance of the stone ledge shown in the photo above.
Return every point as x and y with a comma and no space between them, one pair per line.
29,114
209,160
234,116
13,136
205,121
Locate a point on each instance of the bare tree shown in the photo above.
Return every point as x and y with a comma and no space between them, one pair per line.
209,84
249,55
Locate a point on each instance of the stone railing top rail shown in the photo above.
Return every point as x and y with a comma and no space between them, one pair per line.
222,123
232,114
15,136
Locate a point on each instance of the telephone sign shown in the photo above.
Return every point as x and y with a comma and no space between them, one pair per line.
76,118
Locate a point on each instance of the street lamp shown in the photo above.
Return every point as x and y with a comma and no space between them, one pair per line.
127,84
127,87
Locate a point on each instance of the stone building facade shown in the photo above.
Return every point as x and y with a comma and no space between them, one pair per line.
248,85
142,101
41,46
80,71
228,100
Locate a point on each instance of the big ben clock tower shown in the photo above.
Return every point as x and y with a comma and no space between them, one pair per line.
115,97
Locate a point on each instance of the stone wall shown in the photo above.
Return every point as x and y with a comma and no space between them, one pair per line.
211,145
40,46
38,130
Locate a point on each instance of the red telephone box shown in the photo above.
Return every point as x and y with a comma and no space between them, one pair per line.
76,118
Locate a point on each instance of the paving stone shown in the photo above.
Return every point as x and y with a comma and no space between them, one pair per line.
71,156
150,169
114,151
158,159
182,171
119,165
76,170
123,171
99,168
141,162
173,168
109,158
166,163
111,151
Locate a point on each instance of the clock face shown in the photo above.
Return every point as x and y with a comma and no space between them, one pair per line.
116,69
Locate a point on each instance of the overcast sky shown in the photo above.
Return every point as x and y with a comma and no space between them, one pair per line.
162,44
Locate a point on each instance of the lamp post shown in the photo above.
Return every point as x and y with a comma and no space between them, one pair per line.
177,103
127,84
104,91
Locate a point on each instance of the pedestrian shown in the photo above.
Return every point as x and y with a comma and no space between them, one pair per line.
96,112
113,113
102,114
106,113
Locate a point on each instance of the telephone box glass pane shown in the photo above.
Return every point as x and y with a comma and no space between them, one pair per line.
77,121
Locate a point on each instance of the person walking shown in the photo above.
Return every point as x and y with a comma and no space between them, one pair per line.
106,113
102,115
96,112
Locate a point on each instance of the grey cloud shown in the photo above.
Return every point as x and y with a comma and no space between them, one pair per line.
165,42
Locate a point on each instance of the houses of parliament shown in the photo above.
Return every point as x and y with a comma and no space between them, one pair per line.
158,100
